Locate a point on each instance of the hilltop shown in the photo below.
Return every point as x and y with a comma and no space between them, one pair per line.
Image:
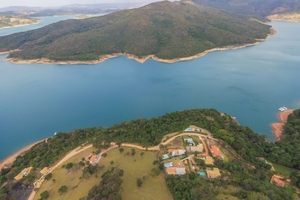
164,30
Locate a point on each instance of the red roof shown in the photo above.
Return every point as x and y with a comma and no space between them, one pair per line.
277,181
215,151
93,158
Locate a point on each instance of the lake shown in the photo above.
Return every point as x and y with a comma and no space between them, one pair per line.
251,83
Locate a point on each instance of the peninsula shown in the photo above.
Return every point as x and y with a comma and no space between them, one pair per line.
209,150
165,31
11,21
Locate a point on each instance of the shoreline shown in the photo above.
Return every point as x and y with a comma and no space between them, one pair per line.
138,59
39,20
11,158
277,127
289,17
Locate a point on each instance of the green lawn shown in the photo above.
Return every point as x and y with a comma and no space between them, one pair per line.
285,171
134,167
76,187
138,167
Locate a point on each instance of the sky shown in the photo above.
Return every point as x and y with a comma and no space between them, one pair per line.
65,2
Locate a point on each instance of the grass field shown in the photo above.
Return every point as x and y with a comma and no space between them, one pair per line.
134,167
153,188
227,192
285,171
76,187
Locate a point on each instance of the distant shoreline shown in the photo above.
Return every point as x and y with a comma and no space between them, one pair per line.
10,159
289,17
130,56
20,25
277,127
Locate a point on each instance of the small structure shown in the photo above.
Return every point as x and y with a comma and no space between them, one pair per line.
275,180
44,170
94,158
23,173
189,140
198,148
189,129
215,151
165,156
213,173
177,152
176,170
209,160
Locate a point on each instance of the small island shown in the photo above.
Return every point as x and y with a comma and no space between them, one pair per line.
12,21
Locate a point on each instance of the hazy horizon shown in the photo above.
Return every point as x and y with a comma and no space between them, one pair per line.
54,3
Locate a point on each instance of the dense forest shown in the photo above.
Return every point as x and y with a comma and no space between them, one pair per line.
165,29
243,140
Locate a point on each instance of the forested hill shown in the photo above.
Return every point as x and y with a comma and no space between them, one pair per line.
165,29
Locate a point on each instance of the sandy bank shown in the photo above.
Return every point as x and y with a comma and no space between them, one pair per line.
138,59
277,128
290,17
13,26
10,159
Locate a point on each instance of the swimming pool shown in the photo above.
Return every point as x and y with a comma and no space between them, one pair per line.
168,165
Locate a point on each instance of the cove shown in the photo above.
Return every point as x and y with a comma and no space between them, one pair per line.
251,83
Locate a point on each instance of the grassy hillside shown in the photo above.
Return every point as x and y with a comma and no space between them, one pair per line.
164,29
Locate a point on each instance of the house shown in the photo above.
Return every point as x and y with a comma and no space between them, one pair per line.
188,140
165,156
275,180
213,173
177,152
94,158
215,151
198,148
176,170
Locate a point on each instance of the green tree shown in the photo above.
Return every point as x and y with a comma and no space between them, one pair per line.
69,165
44,195
112,162
63,189
104,155
142,153
121,150
132,152
48,176
139,182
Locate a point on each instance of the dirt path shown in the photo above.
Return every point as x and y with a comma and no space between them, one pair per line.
154,148
68,156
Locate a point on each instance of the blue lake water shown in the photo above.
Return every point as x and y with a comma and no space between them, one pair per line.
251,83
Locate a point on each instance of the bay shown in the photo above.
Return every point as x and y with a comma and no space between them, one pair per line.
251,83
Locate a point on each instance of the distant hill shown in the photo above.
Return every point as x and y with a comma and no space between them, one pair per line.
257,7
167,30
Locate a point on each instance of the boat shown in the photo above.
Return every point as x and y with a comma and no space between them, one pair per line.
282,109
55,133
